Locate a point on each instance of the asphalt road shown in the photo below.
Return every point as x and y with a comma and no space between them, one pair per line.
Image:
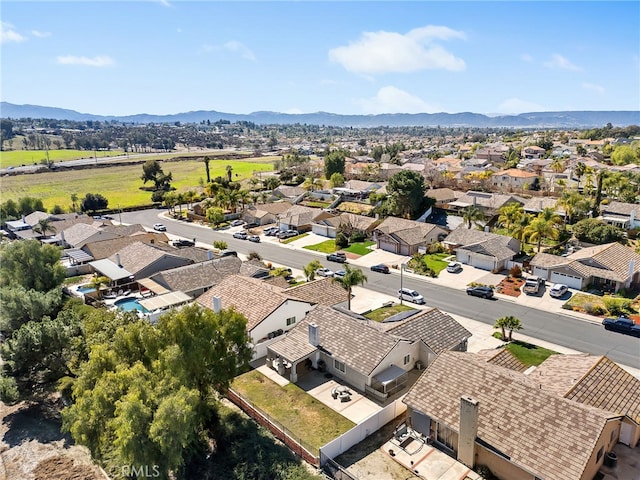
565,330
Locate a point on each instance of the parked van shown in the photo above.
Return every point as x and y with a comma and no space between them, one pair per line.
410,296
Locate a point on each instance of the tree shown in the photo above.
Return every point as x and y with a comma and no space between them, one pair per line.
351,278
336,180
215,215
152,172
579,170
310,269
74,202
540,229
573,204
19,305
44,225
93,202
595,209
509,214
271,183
592,230
472,214
509,323
623,155
99,283
31,265
406,193
206,161
229,170
334,163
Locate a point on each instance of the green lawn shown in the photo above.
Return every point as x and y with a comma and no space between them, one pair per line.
383,313
293,239
328,246
359,248
529,354
119,184
308,419
16,158
433,261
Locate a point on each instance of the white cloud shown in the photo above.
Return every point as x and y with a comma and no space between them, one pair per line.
99,61
562,63
593,87
232,46
516,105
526,58
39,34
390,99
382,52
8,34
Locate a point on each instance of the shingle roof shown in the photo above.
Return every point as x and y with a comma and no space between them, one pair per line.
505,359
254,298
299,215
324,291
138,256
78,233
436,329
106,248
488,200
492,247
345,338
467,236
537,204
406,231
550,436
198,275
546,260
441,194
609,261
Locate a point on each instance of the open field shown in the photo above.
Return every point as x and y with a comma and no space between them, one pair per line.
119,184
17,158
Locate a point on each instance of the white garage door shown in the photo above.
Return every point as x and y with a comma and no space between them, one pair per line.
389,246
569,280
482,262
541,272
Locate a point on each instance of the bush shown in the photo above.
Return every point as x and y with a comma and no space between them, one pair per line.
341,240
595,309
515,271
221,244
597,232
358,236
618,306
436,248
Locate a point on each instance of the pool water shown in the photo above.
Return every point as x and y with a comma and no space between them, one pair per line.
83,289
130,304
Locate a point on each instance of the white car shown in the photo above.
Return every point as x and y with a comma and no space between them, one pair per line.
454,267
324,272
558,290
159,227
410,296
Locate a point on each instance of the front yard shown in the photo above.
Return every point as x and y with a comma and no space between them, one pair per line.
429,264
606,305
329,246
310,421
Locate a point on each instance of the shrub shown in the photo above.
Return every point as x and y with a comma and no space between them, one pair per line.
597,232
595,309
341,240
221,244
618,306
358,236
515,271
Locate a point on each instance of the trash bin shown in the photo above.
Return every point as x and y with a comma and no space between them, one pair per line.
611,459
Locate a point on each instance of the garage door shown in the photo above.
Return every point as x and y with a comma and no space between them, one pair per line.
541,272
569,280
389,246
482,262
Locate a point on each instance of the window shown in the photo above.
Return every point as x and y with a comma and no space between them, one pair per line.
338,365
600,452
291,321
407,359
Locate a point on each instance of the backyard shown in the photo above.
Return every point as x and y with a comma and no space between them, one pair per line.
528,353
380,314
310,421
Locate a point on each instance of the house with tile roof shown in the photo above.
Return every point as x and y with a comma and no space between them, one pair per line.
513,179
535,205
609,267
298,217
485,250
488,203
620,214
269,309
485,414
265,213
405,237
323,291
376,359
327,225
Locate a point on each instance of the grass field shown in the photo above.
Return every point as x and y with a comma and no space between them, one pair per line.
328,246
529,354
119,184
308,419
359,248
16,158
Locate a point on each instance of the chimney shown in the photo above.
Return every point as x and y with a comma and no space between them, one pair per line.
64,243
217,304
468,431
118,260
314,334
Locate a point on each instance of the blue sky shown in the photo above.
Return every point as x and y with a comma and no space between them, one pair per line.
162,57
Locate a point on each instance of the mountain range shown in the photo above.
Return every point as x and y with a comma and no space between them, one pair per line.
568,119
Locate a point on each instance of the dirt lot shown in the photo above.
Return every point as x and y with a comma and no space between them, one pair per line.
33,448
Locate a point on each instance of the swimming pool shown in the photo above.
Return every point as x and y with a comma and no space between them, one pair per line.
85,289
130,304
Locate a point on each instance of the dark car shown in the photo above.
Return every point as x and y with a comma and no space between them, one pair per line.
247,226
339,257
183,243
228,253
622,325
380,268
480,291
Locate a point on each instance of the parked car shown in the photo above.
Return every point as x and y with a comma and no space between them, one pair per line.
288,234
228,253
480,291
159,227
250,225
182,242
380,268
338,257
532,285
237,223
454,267
339,273
622,325
254,238
324,272
240,235
271,231
410,296
558,290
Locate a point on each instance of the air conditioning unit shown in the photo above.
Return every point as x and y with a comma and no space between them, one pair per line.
419,365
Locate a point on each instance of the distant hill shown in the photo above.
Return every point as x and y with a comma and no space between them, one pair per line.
585,119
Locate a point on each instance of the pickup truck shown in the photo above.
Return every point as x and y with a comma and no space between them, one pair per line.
622,325
532,285
339,257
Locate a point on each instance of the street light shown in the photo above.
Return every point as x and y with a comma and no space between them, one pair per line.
401,270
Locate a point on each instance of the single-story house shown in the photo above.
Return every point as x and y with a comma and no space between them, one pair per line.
78,235
328,225
443,196
404,237
620,214
536,204
298,217
611,266
480,249
485,414
265,213
488,203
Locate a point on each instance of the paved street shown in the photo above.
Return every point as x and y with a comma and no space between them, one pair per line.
545,323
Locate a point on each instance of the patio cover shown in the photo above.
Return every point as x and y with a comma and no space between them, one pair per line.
153,286
164,301
389,375
77,255
459,204
109,269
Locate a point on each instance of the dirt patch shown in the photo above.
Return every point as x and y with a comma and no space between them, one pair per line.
32,447
510,286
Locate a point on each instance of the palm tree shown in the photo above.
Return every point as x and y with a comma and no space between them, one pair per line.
98,282
74,202
540,229
520,227
44,226
557,165
206,167
510,323
351,278
579,170
170,200
509,214
472,214
229,170
549,214
310,269
572,202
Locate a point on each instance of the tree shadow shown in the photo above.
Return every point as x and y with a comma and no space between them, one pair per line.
34,422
